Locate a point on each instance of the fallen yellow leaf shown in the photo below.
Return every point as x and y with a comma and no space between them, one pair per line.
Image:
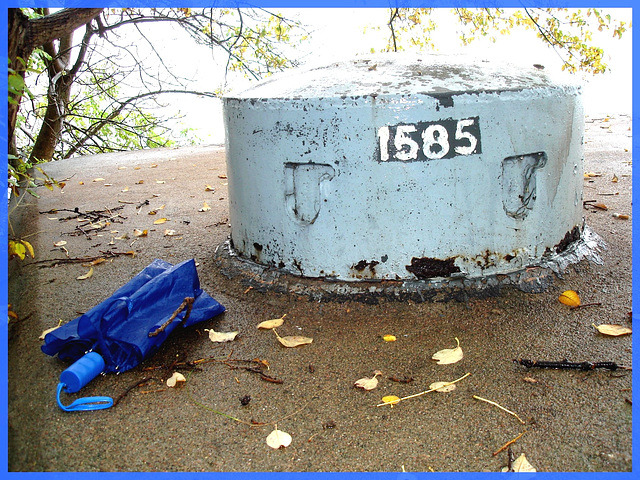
44,333
86,275
521,464
61,243
170,233
205,207
448,355
176,380
220,337
613,330
208,188
391,400
389,338
17,248
29,248
139,233
278,439
615,178
570,298
293,341
367,383
159,221
274,323
100,179
442,387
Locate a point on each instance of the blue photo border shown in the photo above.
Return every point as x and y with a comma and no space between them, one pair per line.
301,4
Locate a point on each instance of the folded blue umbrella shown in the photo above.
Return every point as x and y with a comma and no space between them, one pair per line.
131,324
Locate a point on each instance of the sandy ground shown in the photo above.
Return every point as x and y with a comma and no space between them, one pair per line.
573,420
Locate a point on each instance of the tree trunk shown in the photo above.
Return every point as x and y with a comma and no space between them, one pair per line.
25,35
57,100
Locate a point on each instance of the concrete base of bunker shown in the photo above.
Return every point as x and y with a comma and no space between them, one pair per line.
532,279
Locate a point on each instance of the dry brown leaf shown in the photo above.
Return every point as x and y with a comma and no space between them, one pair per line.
220,337
443,387
97,261
615,178
599,206
620,216
613,330
152,212
570,298
139,182
86,275
176,380
274,323
278,439
448,355
159,221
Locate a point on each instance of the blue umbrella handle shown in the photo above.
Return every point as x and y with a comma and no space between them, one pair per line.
84,404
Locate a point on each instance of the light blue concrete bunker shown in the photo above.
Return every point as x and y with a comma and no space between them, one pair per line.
405,167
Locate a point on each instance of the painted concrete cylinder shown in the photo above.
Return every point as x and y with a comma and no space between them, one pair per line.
405,167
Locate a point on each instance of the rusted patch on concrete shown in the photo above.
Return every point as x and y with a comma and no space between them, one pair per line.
571,236
426,267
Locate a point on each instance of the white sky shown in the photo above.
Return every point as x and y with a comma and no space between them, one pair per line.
338,33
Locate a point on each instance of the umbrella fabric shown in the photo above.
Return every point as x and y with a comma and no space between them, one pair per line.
119,327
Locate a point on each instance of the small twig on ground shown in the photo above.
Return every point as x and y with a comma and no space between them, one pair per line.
582,305
508,444
500,407
566,365
510,459
394,402
135,385
57,261
188,303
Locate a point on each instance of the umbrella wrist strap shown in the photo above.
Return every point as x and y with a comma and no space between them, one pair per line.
84,404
